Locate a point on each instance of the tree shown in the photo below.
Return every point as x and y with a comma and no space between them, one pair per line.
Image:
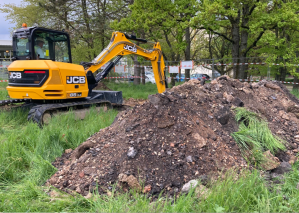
165,19
246,20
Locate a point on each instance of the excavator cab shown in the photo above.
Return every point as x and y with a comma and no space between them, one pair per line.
36,43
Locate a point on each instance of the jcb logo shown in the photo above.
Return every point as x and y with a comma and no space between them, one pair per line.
15,75
130,48
75,79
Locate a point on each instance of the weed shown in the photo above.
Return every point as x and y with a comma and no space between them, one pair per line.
254,137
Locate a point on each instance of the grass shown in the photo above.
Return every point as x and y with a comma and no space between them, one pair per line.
3,91
129,90
254,137
295,92
25,164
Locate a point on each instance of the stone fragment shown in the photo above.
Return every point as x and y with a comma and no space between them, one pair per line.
191,184
147,189
81,174
132,152
273,86
155,100
271,162
201,142
189,159
282,168
67,151
228,97
223,119
169,152
293,159
238,102
130,180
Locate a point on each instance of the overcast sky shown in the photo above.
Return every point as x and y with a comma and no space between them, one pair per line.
5,26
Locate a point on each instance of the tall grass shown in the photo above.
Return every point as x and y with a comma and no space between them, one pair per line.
3,91
254,137
27,150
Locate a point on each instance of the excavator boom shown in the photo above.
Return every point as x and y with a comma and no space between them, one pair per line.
120,46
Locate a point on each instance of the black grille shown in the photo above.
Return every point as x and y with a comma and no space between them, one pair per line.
28,78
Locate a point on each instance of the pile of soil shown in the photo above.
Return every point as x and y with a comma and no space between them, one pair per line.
179,135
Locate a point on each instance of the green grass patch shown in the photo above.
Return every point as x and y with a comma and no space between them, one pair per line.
254,136
295,92
129,90
3,91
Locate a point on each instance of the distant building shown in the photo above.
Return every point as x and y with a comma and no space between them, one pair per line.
5,50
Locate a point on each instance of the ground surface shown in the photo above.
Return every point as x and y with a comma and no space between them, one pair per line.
177,136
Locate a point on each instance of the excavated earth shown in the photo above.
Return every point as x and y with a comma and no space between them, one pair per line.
177,136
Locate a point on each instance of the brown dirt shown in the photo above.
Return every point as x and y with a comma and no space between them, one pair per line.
102,86
179,135
133,102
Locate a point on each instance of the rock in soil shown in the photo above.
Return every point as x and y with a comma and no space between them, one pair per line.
180,135
190,185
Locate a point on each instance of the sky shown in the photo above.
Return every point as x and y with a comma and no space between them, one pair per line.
5,26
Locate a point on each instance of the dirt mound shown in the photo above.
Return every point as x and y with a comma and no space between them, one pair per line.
174,137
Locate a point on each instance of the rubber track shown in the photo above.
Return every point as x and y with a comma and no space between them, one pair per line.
36,113
11,101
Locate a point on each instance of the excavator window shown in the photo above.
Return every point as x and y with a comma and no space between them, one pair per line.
22,47
41,44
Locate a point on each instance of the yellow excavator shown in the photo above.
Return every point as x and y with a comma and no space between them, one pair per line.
43,76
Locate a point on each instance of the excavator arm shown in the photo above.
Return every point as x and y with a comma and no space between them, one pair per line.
120,46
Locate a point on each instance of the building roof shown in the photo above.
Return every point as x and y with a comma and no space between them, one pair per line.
5,42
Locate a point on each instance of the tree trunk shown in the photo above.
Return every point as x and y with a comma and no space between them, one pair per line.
243,47
142,74
281,75
235,47
187,52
